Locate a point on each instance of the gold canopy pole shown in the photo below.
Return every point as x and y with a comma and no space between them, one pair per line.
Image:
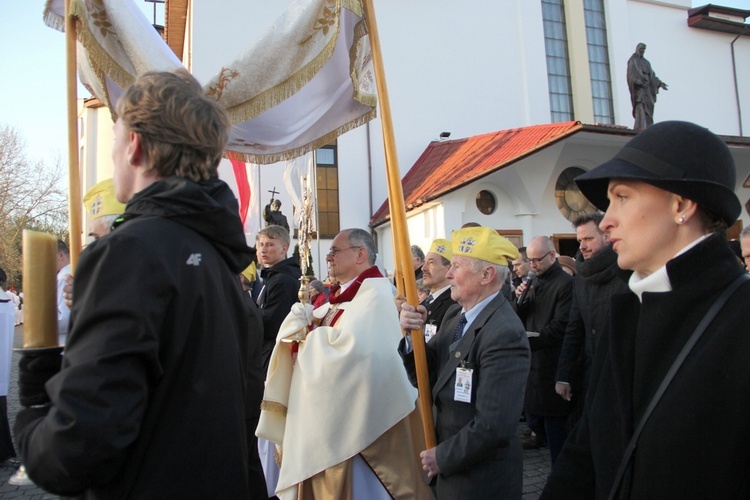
74,180
398,222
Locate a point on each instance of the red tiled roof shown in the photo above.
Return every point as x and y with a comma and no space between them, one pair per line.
448,165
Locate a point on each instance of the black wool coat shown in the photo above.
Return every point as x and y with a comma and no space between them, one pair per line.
695,443
546,313
596,282
438,308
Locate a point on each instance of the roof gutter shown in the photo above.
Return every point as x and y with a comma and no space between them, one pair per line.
734,76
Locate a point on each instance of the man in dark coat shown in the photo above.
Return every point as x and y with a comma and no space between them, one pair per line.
745,245
593,288
543,305
281,283
520,267
150,400
256,379
478,363
434,270
417,257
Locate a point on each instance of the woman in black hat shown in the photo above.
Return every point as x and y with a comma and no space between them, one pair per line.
666,390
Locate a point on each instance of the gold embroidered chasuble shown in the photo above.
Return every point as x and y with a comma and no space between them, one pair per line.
346,394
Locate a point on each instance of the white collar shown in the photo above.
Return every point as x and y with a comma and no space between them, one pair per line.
439,292
659,280
346,285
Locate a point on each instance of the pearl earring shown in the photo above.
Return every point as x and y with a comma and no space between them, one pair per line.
682,218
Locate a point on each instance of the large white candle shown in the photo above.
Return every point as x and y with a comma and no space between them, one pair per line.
39,289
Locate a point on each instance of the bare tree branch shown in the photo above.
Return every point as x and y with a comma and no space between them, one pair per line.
32,196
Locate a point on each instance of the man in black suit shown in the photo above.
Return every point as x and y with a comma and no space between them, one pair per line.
478,363
436,265
544,305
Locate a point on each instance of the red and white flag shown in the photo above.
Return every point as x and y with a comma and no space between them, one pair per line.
242,179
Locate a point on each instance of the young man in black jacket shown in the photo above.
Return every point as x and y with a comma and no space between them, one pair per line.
150,399
280,286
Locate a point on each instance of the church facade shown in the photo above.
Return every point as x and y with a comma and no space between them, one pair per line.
505,68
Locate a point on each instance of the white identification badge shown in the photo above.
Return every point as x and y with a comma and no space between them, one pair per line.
429,332
462,389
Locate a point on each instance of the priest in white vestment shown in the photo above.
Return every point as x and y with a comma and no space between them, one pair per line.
339,403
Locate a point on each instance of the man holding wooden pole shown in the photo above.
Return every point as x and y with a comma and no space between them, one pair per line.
478,364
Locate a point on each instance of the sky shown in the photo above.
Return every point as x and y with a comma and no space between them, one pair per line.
32,87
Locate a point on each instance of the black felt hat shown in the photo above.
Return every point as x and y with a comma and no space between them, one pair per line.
679,157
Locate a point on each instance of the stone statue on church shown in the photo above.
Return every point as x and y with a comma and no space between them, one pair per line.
643,85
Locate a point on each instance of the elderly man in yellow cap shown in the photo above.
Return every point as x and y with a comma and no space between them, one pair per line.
102,208
437,262
478,363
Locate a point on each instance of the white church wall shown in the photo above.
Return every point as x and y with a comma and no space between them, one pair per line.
465,78
488,72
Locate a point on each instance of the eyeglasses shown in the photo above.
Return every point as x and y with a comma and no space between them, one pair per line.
332,252
538,260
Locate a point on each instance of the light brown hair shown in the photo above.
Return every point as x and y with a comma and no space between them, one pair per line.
183,133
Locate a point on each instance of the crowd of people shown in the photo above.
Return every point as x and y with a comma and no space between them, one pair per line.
191,369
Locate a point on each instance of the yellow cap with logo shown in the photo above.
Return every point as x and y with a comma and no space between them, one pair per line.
100,200
483,243
443,248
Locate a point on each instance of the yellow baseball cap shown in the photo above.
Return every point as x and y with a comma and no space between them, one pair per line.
483,243
100,200
443,248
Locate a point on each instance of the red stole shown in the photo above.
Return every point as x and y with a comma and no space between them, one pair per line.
336,297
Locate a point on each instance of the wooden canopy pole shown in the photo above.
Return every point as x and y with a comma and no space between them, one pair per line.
74,179
398,223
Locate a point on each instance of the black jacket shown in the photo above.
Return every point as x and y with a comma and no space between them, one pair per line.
437,309
478,452
695,443
546,313
150,401
597,281
279,293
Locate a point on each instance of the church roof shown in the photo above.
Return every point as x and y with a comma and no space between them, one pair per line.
451,164
448,165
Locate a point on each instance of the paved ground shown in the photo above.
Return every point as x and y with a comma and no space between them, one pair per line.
9,467
535,466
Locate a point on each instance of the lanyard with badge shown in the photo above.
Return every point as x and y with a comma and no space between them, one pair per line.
462,388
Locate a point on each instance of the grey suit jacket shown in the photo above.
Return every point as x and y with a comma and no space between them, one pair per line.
478,452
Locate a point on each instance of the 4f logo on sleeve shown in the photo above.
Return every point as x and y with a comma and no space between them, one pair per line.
194,260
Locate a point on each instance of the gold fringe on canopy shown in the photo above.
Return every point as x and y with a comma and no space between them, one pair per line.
292,74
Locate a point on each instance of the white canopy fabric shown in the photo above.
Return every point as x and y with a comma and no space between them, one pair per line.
306,80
